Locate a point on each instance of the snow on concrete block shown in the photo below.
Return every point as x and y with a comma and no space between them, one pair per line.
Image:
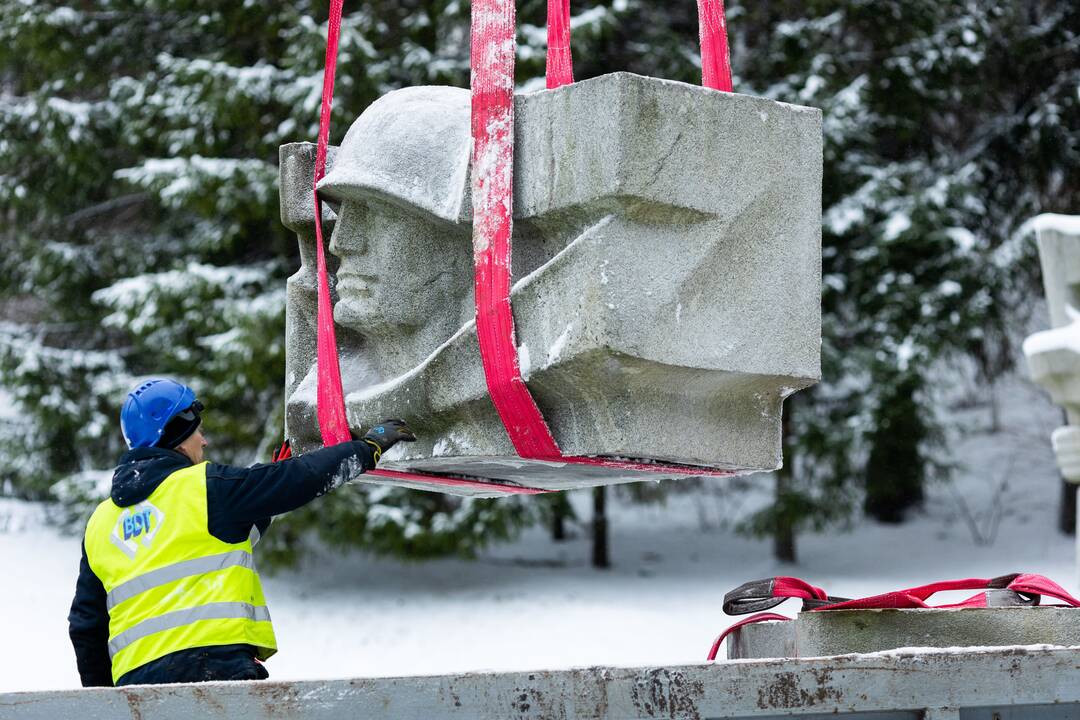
666,277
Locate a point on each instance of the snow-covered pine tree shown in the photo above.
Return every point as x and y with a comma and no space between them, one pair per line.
141,232
138,144
947,124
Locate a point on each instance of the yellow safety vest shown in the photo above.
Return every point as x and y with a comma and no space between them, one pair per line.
170,584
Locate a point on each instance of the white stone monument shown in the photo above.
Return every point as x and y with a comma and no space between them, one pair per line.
1054,355
666,277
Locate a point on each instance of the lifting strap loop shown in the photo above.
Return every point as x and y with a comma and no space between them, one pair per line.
712,34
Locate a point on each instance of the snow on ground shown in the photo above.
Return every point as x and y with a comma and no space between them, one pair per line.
536,604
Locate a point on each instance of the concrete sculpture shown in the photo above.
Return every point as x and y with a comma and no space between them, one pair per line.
1054,355
666,266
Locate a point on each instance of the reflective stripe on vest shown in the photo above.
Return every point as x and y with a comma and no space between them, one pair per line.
170,585
177,618
176,571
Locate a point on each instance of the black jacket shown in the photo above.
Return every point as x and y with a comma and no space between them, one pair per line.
237,499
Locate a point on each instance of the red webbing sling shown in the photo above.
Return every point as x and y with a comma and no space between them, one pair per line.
1016,589
492,63
333,423
712,34
331,399
492,59
560,63
712,31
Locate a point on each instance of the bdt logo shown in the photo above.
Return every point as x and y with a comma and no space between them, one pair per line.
136,525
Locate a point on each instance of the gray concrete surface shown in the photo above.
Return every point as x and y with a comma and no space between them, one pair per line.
1005,684
666,266
837,632
762,640
863,631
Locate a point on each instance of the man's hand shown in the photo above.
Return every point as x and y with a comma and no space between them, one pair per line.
386,434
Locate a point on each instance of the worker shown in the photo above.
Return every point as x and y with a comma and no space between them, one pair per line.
167,589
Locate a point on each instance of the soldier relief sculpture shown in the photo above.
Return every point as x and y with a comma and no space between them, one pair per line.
666,276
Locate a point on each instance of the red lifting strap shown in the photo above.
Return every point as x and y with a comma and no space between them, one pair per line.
492,59
331,399
560,63
916,597
712,33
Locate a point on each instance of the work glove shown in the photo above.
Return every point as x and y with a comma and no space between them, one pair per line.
282,453
386,434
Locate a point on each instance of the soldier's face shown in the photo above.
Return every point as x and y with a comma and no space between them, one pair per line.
398,272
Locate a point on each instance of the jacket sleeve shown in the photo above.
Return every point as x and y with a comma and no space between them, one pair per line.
238,498
88,626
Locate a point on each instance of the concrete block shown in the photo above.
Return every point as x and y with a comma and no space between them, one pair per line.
862,631
666,277
838,632
762,640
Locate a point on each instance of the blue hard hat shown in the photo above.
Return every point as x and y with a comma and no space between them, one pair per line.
149,407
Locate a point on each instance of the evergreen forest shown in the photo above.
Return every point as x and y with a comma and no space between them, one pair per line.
140,229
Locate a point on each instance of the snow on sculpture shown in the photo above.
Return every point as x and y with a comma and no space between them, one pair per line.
666,276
